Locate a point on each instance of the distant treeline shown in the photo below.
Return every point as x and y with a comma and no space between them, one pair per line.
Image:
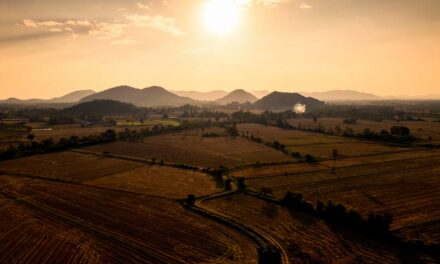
49,145
397,134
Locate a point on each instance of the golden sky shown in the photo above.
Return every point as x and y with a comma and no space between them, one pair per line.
52,47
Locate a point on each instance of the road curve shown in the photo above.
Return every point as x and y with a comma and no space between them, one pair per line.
258,237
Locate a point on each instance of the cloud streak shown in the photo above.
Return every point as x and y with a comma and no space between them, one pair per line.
305,6
158,22
112,31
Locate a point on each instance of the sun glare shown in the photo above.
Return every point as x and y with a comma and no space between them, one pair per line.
221,17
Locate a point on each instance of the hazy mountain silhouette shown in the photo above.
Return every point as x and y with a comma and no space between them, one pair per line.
260,93
151,96
101,107
342,95
202,96
72,97
239,96
285,101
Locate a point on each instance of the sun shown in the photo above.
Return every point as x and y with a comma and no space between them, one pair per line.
221,17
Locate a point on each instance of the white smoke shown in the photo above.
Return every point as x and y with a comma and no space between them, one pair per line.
299,108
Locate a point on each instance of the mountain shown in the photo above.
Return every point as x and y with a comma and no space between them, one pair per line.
68,98
342,95
202,96
238,96
101,107
286,101
151,96
72,97
260,93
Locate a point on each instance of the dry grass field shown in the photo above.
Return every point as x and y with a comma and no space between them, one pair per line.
160,181
316,144
66,132
69,166
112,173
429,128
8,138
191,148
407,187
306,239
56,222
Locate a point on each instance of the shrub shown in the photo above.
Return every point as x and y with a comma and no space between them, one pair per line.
310,158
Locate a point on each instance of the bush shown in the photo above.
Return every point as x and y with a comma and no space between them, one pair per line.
269,255
400,131
190,200
310,158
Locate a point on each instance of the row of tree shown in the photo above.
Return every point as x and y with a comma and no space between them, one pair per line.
280,147
49,145
397,134
377,225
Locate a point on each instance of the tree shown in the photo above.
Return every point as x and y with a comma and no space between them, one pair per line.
190,200
400,130
269,254
241,184
31,137
310,158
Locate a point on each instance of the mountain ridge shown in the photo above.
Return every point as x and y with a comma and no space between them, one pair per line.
286,101
150,96
238,96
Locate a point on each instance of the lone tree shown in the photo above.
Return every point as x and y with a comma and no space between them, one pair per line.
400,131
241,184
190,200
31,137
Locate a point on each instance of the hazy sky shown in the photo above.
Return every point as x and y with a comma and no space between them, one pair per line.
387,47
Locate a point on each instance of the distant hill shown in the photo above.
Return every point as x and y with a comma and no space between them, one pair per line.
73,97
260,93
238,96
101,107
342,95
286,101
202,96
151,96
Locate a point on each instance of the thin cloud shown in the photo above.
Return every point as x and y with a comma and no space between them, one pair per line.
115,32
305,6
108,31
143,6
158,22
268,3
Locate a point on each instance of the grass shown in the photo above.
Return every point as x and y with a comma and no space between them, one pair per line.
160,181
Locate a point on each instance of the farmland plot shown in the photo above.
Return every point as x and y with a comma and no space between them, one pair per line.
409,189
316,144
49,222
67,165
57,133
191,148
428,128
159,180
306,239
